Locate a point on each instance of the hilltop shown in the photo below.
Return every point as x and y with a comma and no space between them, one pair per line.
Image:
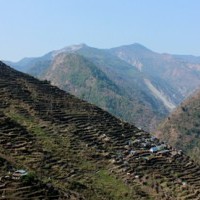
182,127
76,150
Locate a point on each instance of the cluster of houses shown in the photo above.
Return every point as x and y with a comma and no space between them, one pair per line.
144,146
151,144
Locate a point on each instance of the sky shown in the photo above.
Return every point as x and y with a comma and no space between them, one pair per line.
30,28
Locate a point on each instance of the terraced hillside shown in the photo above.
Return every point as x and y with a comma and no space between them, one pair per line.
76,150
26,188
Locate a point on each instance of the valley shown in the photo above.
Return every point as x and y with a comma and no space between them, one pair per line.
131,82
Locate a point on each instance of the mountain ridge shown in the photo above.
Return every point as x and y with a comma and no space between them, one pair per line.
95,89
156,80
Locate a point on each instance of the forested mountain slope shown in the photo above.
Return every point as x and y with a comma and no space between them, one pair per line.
182,127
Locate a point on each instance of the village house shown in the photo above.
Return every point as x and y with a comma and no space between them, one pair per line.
157,148
18,174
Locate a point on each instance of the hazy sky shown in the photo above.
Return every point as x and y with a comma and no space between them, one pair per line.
34,27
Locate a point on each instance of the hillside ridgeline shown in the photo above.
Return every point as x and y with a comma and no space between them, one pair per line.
78,151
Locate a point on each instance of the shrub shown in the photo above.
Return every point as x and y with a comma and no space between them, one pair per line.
29,178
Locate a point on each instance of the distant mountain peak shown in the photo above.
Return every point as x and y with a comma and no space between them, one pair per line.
74,47
137,44
69,49
135,47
